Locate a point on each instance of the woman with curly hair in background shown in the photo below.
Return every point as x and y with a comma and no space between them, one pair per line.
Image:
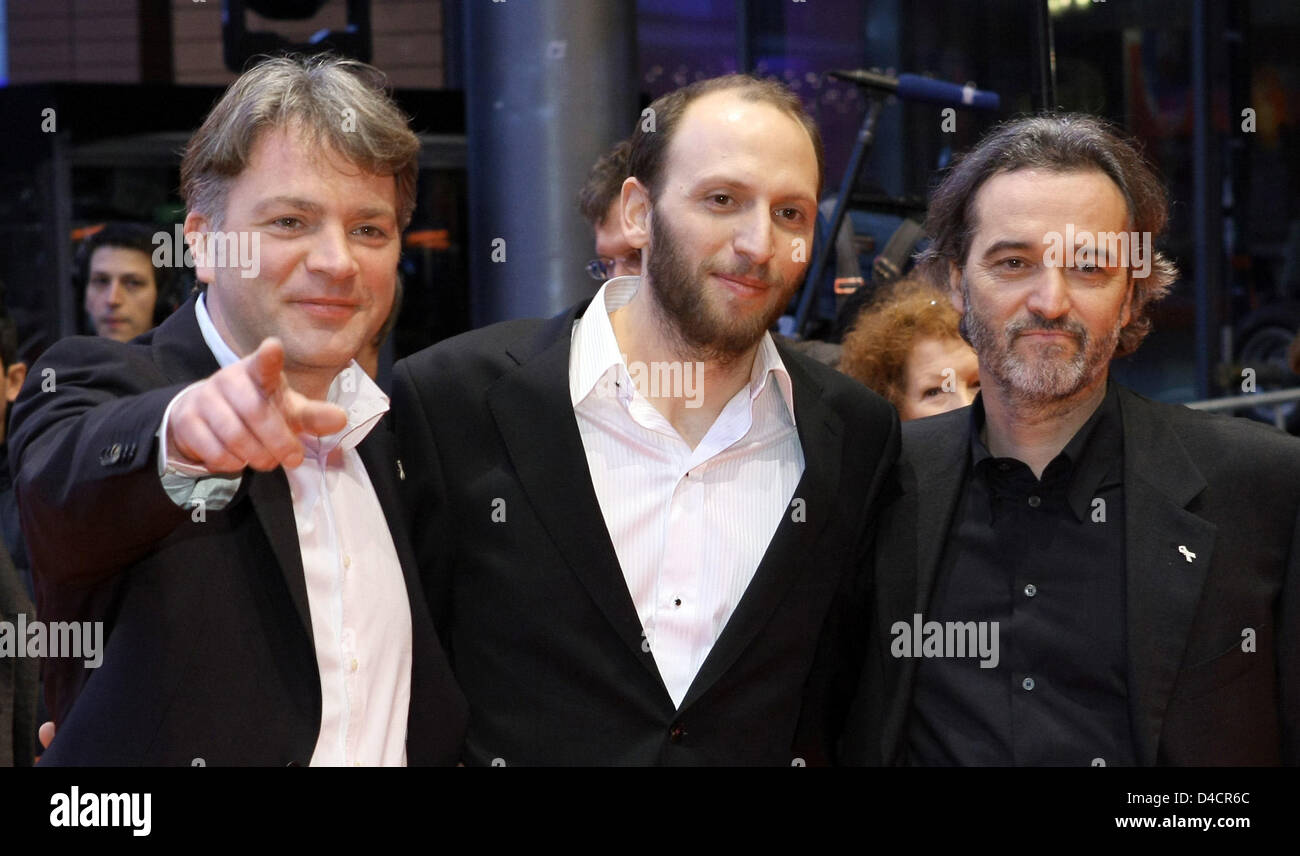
906,346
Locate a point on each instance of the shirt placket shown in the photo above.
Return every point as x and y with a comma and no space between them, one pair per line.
678,607
335,547
349,649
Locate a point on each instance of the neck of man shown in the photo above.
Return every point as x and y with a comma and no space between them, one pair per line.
1036,432
313,383
645,336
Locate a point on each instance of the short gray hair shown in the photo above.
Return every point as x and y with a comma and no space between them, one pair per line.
312,94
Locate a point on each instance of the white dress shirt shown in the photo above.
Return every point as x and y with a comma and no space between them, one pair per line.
360,612
689,526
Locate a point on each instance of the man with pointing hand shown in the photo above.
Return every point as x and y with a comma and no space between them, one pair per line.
216,495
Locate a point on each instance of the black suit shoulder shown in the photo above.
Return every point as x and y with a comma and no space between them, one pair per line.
477,353
843,394
1228,446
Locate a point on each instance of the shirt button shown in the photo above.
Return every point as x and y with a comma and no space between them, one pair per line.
353,665
1034,502
356,763
1031,590
677,601
1027,683
677,733
347,560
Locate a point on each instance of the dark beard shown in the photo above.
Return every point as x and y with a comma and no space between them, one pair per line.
685,317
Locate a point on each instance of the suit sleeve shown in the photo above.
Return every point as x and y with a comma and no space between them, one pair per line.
82,452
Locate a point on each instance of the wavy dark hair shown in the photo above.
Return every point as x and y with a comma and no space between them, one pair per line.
1060,142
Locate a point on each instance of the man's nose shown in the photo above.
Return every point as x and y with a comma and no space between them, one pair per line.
331,254
1050,297
116,292
753,238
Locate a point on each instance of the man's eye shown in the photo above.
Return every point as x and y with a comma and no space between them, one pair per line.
720,199
1014,264
370,231
287,222
792,214
932,392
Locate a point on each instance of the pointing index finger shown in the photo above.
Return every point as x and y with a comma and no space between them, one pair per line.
266,367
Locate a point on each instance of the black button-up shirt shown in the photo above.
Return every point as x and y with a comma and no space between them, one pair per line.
1043,562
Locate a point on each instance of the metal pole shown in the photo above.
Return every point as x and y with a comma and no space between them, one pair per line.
1206,208
550,85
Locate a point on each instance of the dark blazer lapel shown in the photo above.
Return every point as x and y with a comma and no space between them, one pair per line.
378,453
938,457
1164,587
821,434
534,413
429,697
932,470
273,503
183,356
179,350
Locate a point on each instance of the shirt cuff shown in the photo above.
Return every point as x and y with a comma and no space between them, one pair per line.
189,485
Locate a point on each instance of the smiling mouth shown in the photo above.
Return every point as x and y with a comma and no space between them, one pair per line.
328,309
743,285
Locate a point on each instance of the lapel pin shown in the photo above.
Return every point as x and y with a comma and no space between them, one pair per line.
1187,554
401,474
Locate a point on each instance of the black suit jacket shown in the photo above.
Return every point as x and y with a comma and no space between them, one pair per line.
1226,489
535,612
209,650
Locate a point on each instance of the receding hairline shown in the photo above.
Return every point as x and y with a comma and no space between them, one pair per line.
748,95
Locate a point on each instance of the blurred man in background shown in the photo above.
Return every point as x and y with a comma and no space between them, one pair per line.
599,203
125,294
